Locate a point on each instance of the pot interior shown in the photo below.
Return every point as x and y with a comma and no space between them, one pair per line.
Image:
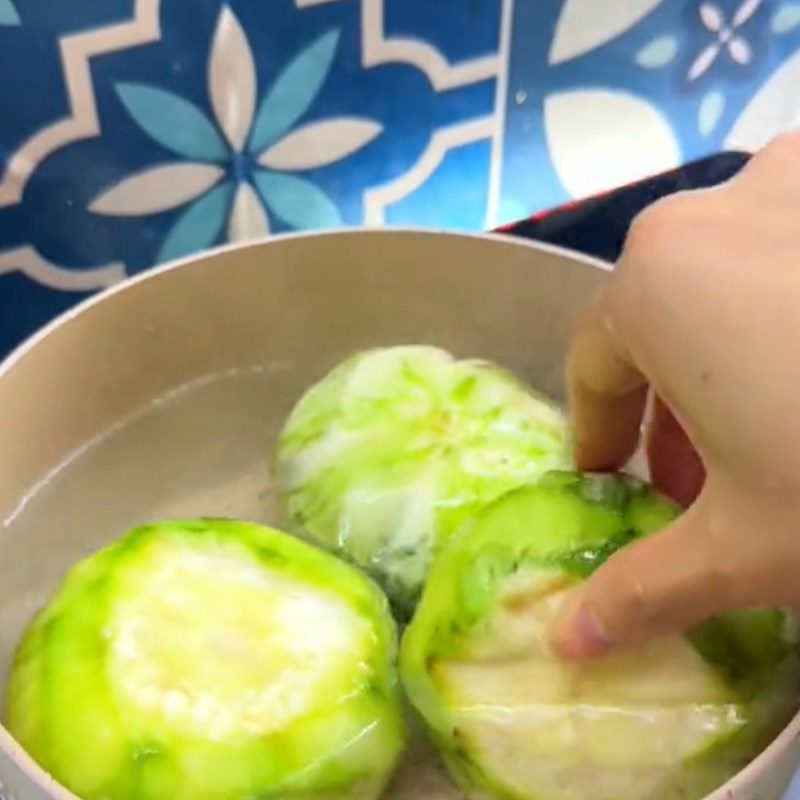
163,398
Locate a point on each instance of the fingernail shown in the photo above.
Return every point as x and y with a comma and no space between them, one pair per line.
583,636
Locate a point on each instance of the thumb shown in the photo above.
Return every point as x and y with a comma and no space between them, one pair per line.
661,584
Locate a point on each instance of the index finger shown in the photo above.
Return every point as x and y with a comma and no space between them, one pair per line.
607,392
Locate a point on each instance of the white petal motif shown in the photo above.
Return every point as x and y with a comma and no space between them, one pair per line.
232,79
319,144
248,219
581,27
745,11
702,63
711,108
740,50
157,189
630,139
658,52
712,18
786,18
774,109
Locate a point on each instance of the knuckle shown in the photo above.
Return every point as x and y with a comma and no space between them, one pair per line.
666,250
659,247
773,172
779,153
651,261
652,234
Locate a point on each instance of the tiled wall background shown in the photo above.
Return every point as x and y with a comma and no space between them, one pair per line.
134,131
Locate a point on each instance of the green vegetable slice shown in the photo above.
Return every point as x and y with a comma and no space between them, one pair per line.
670,719
211,660
392,451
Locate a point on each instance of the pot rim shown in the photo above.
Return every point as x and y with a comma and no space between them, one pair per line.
153,273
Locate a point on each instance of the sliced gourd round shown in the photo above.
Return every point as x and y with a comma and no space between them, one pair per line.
672,718
392,451
210,660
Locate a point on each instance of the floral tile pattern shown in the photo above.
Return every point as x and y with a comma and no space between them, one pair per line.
140,130
642,89
237,168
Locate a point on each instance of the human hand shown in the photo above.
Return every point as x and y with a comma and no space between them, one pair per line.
703,310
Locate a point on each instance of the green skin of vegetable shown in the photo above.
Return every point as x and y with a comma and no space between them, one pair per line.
385,457
65,705
573,523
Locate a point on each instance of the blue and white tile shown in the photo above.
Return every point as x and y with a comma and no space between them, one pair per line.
643,86
190,124
139,130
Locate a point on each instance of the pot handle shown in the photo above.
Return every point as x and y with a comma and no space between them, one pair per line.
597,225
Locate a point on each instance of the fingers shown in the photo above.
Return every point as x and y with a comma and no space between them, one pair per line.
773,170
662,584
607,393
689,268
675,467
